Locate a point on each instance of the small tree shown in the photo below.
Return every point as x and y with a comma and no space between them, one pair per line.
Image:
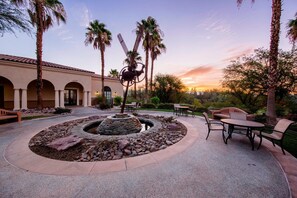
168,88
155,100
247,78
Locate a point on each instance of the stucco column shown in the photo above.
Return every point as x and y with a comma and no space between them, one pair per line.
85,99
89,99
77,98
56,98
24,99
16,99
62,98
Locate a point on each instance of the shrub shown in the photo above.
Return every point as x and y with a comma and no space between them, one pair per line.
165,106
103,106
117,100
148,106
60,110
99,99
155,100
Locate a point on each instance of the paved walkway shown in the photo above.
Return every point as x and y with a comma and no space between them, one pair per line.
192,168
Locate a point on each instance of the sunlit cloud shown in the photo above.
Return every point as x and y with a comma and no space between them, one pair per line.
196,71
235,53
202,77
214,24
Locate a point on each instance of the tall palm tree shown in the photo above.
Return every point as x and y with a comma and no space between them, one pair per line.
11,17
292,31
100,38
273,57
114,73
131,60
157,47
42,14
148,27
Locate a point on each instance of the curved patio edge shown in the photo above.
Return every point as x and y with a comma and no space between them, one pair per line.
288,164
19,155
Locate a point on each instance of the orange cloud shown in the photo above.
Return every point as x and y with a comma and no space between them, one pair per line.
200,70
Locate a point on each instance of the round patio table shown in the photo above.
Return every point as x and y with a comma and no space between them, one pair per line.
249,125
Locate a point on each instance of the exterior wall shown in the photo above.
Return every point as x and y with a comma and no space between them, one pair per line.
22,77
114,84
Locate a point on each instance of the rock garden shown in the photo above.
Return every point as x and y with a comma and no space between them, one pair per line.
70,141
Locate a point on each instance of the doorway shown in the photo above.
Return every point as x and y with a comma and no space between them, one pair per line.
70,97
2,96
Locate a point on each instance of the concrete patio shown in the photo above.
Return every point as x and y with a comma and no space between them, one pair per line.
193,167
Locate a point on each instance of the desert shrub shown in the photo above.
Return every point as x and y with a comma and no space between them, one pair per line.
155,100
99,99
60,110
165,106
148,106
117,100
103,106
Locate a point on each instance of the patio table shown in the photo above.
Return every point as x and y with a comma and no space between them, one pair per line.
182,110
130,107
249,125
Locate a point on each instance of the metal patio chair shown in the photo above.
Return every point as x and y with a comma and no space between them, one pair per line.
214,125
277,134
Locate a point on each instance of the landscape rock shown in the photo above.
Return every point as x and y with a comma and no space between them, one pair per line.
65,142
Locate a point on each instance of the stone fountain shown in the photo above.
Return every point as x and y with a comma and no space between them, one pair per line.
119,124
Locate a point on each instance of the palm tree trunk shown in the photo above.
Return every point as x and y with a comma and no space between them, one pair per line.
102,74
273,59
152,73
39,36
146,73
135,94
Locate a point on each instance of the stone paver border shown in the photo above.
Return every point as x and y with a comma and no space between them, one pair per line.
19,155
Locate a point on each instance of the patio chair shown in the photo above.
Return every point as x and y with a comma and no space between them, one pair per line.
239,116
175,109
277,134
214,125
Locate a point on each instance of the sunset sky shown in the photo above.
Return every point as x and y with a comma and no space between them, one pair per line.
201,36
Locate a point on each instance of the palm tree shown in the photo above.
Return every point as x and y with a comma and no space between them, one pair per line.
100,38
114,73
42,14
11,17
147,27
292,31
273,57
157,47
131,60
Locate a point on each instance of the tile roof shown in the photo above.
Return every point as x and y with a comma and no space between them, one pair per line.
33,62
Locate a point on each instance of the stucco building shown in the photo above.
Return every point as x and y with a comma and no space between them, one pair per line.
62,85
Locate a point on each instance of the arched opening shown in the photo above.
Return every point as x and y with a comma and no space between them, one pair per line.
73,94
6,93
108,95
48,94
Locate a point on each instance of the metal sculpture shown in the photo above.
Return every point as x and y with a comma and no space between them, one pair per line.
129,74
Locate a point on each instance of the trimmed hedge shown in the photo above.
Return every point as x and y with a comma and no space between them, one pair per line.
60,110
165,106
148,106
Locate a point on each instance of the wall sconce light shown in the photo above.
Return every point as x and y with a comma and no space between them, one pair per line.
97,92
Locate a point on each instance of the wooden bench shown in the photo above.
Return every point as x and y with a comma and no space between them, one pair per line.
6,115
